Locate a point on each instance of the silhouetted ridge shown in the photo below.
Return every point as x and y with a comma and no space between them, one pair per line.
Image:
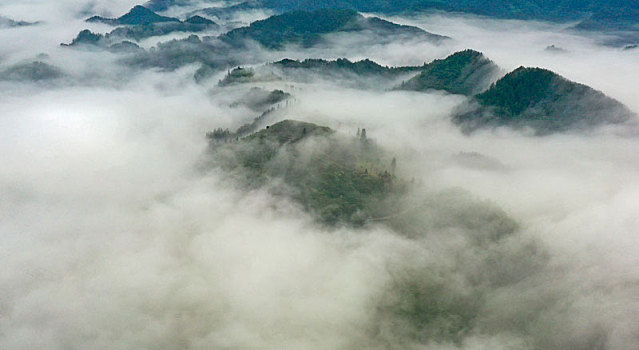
307,27
466,72
544,101
138,15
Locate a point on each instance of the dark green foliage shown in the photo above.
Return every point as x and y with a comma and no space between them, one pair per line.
199,20
136,16
610,11
140,32
163,5
612,18
86,37
237,76
306,28
597,15
362,74
337,179
520,90
141,23
227,12
544,101
299,27
177,53
466,73
461,250
31,71
258,99
363,67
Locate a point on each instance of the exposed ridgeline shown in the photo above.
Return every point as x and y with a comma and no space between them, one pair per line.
228,50
543,101
230,12
10,23
605,12
340,65
306,28
138,15
613,15
350,181
257,99
339,179
466,73
193,24
339,70
140,23
32,71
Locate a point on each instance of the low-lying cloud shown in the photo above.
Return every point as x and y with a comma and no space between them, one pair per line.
116,232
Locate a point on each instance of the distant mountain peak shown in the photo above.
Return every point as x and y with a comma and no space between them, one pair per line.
544,101
465,72
136,16
307,28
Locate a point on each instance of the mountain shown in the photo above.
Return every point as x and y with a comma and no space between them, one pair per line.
560,10
307,27
139,32
612,19
193,24
543,101
86,37
345,181
31,71
10,23
466,73
136,16
199,20
163,5
258,99
343,65
228,12
361,73
596,15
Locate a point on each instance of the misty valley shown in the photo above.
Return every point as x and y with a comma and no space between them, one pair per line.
274,174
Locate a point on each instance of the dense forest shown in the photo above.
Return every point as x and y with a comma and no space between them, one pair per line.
544,101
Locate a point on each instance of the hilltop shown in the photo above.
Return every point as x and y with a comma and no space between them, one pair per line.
341,181
543,101
337,70
306,28
138,15
466,73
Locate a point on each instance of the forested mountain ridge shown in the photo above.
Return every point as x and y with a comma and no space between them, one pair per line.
307,27
138,15
343,181
466,72
607,14
543,101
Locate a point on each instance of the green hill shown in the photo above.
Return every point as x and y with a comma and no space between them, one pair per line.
596,15
31,71
543,101
363,67
307,27
340,180
136,16
466,73
295,70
